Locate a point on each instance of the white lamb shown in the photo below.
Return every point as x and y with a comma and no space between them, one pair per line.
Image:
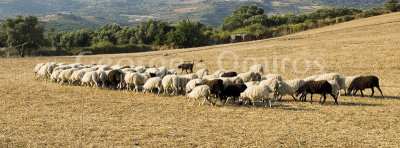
171,82
258,68
198,92
248,76
345,82
258,92
139,80
192,84
201,73
151,84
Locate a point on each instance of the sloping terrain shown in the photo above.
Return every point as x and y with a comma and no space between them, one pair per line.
39,113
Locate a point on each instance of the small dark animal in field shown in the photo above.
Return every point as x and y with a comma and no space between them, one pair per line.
229,74
186,67
113,78
233,91
316,87
364,82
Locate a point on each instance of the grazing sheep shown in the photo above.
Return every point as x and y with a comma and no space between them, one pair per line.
272,76
186,67
290,87
89,79
76,77
113,78
54,76
101,77
202,73
233,90
208,77
257,92
229,74
171,82
139,80
43,72
103,67
151,84
258,68
37,68
128,79
192,84
62,67
152,71
335,88
345,82
273,84
363,82
316,87
198,92
65,75
248,76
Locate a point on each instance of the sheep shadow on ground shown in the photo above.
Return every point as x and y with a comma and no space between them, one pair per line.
375,96
357,104
275,105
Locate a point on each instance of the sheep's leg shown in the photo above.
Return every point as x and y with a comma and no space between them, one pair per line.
270,103
204,101
380,91
355,92
253,102
188,98
311,98
362,94
372,94
294,98
324,99
227,100
336,102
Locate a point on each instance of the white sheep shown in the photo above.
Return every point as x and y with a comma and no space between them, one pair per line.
37,68
198,92
313,77
290,87
258,92
345,82
151,84
139,80
272,76
103,67
89,79
184,79
248,76
140,69
192,84
76,76
101,77
218,73
273,84
65,75
128,79
258,68
162,72
54,76
201,73
171,82
335,88
208,77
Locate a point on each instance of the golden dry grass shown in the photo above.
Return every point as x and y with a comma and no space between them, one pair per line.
38,113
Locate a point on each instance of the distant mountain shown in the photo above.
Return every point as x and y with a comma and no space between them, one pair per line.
94,13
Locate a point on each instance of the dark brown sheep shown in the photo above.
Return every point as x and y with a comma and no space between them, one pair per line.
186,67
216,86
229,74
364,82
113,78
233,90
316,87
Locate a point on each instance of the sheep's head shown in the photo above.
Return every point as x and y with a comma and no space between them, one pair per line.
298,92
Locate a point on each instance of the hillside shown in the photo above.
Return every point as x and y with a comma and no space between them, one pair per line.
37,113
131,12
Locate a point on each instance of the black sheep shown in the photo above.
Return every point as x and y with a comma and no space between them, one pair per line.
216,86
233,90
316,87
113,78
229,74
364,82
186,67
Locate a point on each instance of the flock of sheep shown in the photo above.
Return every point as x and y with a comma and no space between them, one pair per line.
223,85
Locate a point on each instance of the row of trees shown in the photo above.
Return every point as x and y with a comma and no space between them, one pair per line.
27,34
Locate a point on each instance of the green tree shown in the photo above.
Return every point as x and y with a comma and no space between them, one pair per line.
3,39
188,34
244,16
26,33
391,5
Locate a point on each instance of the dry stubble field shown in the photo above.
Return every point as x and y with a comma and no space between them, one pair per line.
39,113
